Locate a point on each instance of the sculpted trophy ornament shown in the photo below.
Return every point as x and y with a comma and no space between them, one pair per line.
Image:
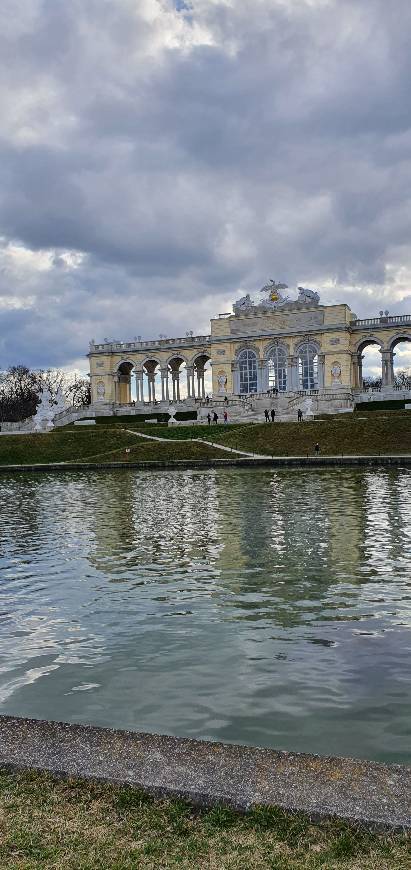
305,295
275,299
243,304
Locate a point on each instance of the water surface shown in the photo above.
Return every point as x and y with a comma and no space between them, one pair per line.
270,607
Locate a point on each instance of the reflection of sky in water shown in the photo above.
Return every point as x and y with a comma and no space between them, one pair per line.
269,607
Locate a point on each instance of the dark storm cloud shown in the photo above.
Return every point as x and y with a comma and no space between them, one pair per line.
189,153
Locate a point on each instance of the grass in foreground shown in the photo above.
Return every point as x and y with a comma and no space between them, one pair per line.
74,825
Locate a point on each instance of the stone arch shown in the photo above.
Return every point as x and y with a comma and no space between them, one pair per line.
176,364
401,336
198,372
399,375
150,367
122,381
276,364
358,359
275,344
176,356
310,376
247,372
247,346
366,342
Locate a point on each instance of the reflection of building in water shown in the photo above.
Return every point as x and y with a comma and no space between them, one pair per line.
386,499
293,532
158,520
346,521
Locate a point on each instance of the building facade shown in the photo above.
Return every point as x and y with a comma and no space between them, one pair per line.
279,347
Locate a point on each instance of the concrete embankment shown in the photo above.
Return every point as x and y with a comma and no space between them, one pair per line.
207,774
246,462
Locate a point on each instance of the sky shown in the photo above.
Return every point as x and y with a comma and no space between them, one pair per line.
160,159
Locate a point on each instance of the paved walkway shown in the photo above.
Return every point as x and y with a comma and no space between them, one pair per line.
198,441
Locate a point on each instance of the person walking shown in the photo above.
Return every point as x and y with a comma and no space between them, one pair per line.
225,417
272,415
215,417
267,416
299,415
317,448
207,400
209,418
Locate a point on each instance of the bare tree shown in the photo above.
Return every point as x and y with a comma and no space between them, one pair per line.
403,379
19,393
78,393
372,383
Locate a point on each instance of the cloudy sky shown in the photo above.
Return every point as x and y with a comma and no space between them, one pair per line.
160,157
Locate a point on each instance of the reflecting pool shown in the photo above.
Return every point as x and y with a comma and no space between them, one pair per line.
261,606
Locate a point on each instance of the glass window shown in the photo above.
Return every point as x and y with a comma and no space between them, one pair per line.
277,369
247,362
308,367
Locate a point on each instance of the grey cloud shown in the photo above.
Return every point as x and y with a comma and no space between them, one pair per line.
279,144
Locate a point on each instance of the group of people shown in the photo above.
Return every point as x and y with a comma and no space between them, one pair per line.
214,418
269,415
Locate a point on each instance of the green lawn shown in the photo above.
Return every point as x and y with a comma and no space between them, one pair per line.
96,443
48,824
376,432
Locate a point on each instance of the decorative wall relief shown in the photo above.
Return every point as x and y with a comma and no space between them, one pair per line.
101,391
336,373
222,382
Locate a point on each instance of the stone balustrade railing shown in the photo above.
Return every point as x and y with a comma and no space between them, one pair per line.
386,320
115,346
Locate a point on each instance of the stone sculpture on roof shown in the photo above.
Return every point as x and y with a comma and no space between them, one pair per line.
276,299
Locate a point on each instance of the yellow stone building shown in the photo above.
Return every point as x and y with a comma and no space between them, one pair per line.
281,349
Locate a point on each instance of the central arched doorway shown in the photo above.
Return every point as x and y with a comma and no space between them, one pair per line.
277,368
308,366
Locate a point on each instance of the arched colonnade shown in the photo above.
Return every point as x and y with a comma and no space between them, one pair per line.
387,359
158,381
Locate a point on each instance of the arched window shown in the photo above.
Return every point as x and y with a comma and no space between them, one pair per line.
308,366
247,363
277,369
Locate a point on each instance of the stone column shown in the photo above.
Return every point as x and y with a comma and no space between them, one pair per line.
236,380
116,396
354,372
292,374
359,366
200,383
173,375
321,368
164,378
189,371
178,385
387,368
139,385
153,386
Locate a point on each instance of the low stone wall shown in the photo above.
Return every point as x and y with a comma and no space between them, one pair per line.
206,773
178,464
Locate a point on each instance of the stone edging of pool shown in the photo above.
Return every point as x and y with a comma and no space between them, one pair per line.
206,773
268,462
